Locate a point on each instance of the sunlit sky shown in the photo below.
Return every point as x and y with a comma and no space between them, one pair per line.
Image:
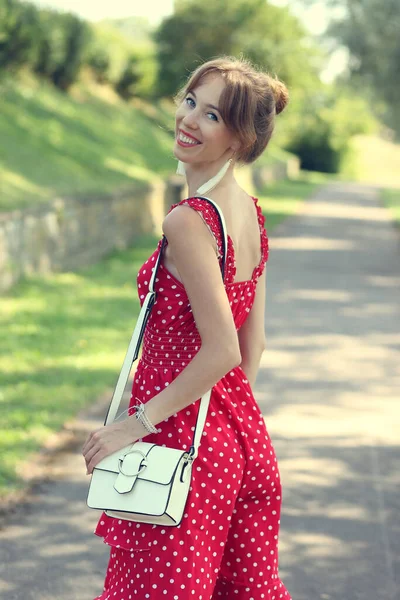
314,18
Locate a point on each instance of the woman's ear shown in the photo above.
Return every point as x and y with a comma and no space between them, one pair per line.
235,146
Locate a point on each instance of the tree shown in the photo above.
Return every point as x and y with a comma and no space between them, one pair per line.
268,35
77,37
129,78
370,30
51,40
18,26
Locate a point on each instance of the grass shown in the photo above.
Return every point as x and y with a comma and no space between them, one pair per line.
65,337
56,144
281,199
391,199
378,163
273,155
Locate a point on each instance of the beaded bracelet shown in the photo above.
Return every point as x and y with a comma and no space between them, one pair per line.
143,418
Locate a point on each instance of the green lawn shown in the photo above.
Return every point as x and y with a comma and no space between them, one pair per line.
53,144
63,341
285,197
391,199
64,338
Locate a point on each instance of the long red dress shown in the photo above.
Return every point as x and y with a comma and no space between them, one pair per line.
226,545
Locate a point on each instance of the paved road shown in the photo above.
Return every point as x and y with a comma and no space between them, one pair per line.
328,387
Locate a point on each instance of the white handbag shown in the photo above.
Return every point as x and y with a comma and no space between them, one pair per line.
145,482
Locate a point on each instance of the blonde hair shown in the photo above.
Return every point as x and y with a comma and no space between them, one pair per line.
248,103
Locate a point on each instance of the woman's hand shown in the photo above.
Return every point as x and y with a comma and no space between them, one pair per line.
109,439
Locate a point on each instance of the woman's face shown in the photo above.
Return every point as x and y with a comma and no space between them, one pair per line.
196,119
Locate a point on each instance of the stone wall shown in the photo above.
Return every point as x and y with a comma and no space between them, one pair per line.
68,233
265,174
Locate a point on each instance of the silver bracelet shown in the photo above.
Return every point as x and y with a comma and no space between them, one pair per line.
143,418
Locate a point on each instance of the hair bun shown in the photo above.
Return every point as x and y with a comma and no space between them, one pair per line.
281,95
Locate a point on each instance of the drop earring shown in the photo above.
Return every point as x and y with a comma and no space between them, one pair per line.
181,168
211,183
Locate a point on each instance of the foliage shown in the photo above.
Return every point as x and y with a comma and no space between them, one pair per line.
100,62
147,70
76,39
129,78
324,126
138,76
51,52
128,65
136,29
108,45
369,29
270,36
50,43
19,23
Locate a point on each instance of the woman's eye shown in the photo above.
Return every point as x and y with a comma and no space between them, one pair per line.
210,113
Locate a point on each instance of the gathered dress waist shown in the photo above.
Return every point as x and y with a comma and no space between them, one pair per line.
169,350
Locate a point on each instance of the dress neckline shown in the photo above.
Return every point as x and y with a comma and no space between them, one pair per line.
260,219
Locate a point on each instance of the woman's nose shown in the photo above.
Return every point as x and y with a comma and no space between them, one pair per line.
190,120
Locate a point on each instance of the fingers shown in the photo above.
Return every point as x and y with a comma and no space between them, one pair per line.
97,457
90,441
89,448
94,451
90,453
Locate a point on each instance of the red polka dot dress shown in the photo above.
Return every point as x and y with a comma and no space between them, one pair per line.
226,546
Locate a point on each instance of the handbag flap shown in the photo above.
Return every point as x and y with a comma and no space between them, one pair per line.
144,460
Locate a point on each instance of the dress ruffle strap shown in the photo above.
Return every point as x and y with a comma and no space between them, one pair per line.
210,218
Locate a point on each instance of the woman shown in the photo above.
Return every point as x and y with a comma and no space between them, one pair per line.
205,333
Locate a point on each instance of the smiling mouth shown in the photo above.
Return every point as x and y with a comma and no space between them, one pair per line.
186,139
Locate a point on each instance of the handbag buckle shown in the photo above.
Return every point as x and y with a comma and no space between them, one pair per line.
185,470
143,463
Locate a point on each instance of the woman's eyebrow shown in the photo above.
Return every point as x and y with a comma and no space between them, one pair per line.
210,105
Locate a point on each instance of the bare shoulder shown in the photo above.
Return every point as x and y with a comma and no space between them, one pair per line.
192,252
181,215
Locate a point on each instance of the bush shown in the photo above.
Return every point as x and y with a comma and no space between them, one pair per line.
129,79
18,33
99,61
76,36
52,44
324,125
131,68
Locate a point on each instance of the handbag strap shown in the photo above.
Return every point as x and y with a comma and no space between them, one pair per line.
137,337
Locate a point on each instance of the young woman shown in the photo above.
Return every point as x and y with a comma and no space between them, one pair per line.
203,333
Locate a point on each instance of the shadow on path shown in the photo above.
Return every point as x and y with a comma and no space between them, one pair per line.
329,389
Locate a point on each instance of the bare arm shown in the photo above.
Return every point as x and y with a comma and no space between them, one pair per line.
251,334
192,249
